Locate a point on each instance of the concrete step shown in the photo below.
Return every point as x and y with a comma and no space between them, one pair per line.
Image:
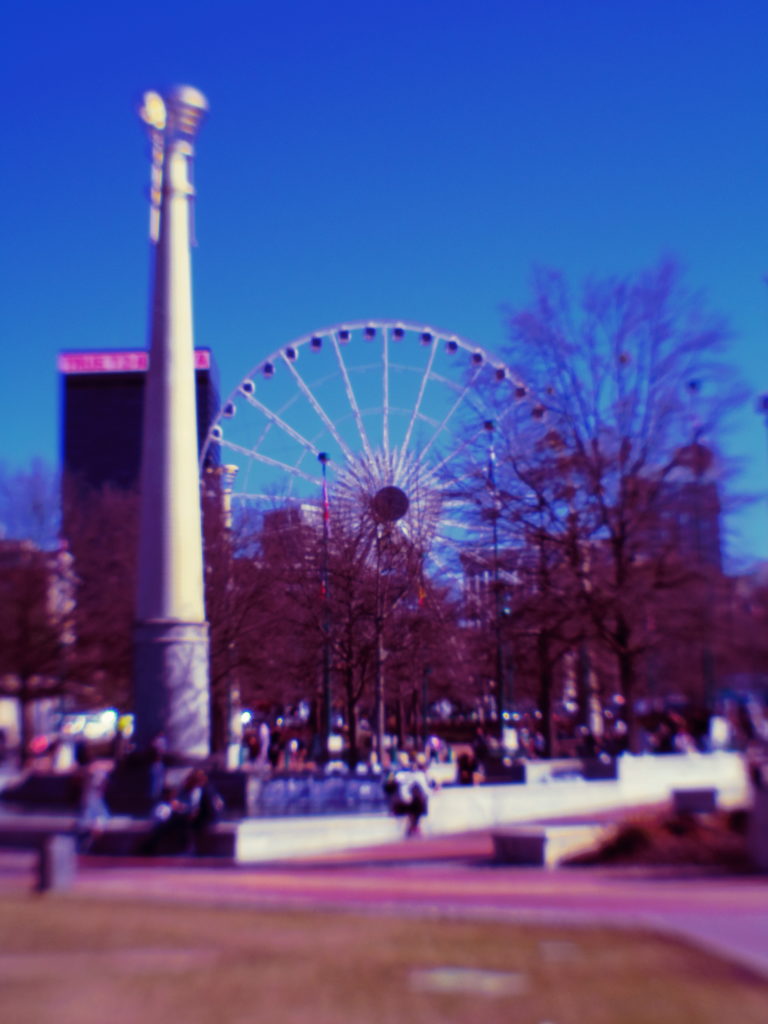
548,845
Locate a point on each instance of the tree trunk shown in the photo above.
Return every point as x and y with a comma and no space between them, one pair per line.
220,713
352,754
627,678
400,722
545,693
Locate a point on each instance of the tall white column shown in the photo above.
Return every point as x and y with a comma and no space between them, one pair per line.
171,671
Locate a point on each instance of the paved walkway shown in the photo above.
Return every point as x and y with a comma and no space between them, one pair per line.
451,875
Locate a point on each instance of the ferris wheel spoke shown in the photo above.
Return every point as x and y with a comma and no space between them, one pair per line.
279,422
385,389
419,399
460,525
266,460
460,399
328,423
264,499
455,452
355,474
351,397
416,476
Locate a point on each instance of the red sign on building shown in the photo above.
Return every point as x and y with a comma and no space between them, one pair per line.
118,362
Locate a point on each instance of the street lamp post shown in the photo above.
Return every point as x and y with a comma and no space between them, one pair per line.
388,505
499,653
762,408
326,616
380,654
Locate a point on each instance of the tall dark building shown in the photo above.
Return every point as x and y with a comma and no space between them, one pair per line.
687,513
102,410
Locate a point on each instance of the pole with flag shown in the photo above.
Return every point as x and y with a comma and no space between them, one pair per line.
326,616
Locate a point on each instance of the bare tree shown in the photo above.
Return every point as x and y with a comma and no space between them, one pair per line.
743,648
315,610
620,381
36,627
36,591
102,534
429,658
30,504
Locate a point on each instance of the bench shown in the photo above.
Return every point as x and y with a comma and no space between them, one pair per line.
126,836
546,845
56,839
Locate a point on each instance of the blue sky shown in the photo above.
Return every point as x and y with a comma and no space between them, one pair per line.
407,160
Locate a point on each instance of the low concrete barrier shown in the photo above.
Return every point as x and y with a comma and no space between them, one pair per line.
552,791
641,780
278,838
650,776
546,845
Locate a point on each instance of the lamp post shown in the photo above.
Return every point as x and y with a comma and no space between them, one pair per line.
379,706
225,479
388,505
762,408
499,659
322,458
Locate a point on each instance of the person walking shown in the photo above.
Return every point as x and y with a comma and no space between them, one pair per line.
410,792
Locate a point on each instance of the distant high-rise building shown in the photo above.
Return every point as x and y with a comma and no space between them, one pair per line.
694,522
102,411
686,513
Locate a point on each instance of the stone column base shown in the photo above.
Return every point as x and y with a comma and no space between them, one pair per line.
171,687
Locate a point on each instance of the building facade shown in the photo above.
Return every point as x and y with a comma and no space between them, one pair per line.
102,413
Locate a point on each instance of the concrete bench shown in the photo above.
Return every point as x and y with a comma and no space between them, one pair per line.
694,801
546,845
126,836
118,836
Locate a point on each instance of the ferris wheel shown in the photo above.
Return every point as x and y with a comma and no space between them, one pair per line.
377,418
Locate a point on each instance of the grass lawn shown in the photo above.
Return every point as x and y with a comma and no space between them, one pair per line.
68,960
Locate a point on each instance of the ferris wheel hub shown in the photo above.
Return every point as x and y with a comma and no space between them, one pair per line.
390,504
